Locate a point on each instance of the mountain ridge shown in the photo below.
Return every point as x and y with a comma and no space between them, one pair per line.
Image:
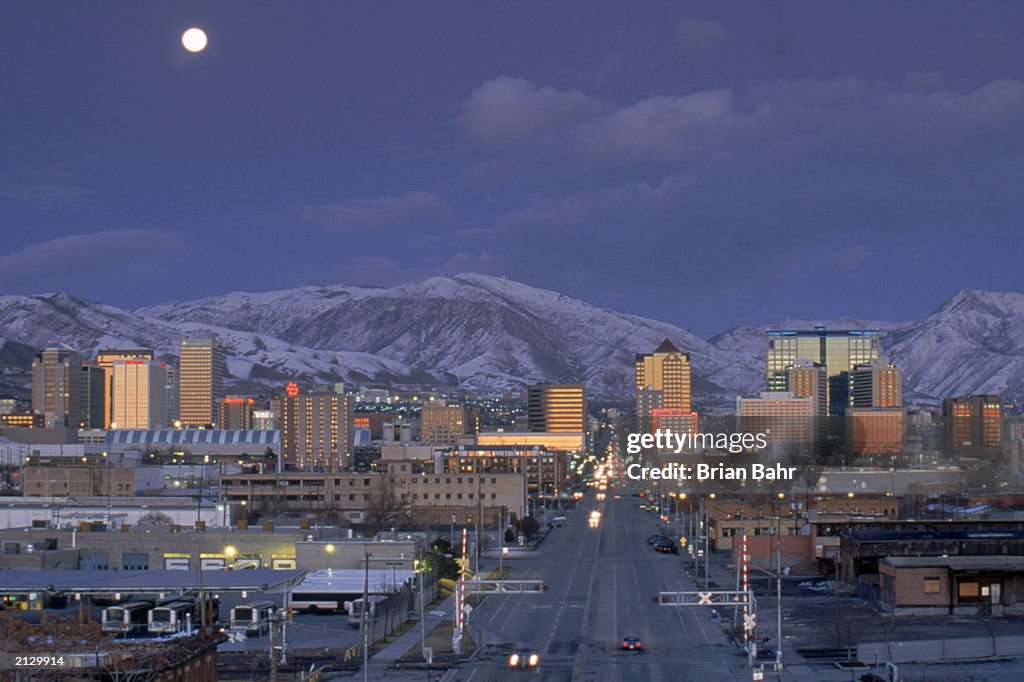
491,334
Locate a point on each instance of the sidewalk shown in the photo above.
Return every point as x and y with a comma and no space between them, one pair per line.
386,658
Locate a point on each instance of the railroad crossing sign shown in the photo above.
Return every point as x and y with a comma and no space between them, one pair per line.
705,598
750,621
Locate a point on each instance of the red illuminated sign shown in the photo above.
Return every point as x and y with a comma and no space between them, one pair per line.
291,389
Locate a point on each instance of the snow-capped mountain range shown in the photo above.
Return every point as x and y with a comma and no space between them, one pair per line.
490,334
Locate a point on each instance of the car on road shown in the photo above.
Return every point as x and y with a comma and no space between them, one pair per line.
666,546
655,538
632,644
557,522
524,659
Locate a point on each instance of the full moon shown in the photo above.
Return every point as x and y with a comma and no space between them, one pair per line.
194,40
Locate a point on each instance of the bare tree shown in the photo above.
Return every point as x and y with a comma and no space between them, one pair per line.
154,518
386,507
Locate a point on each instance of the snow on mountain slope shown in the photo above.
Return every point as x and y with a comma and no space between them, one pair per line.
973,343
747,341
62,319
491,334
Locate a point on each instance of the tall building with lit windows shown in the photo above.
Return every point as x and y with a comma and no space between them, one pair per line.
877,384
139,394
808,379
105,359
57,387
665,373
200,381
838,351
973,424
94,403
317,431
782,417
556,408
442,424
236,412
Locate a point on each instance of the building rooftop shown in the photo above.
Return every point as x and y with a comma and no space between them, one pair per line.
958,563
193,436
666,346
109,582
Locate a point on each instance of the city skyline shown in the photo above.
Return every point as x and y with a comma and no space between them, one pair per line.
770,156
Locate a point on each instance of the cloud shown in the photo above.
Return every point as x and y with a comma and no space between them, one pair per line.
695,35
507,111
51,196
73,261
672,131
360,216
664,129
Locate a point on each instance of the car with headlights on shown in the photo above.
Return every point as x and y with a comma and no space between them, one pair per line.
524,659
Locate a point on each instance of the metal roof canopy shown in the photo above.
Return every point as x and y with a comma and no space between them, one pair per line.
352,580
135,582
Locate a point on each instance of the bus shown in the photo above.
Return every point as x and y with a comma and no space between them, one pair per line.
254,618
128,618
318,602
171,618
355,609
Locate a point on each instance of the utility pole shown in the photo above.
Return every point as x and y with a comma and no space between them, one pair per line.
707,547
423,624
778,599
479,518
501,542
364,632
274,620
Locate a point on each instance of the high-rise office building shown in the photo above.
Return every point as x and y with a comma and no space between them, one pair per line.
672,419
94,397
666,371
782,417
236,412
808,379
317,430
443,424
200,381
556,408
973,424
874,430
105,359
838,351
877,384
139,394
171,393
57,387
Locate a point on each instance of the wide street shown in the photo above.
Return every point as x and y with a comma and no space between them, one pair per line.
601,584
